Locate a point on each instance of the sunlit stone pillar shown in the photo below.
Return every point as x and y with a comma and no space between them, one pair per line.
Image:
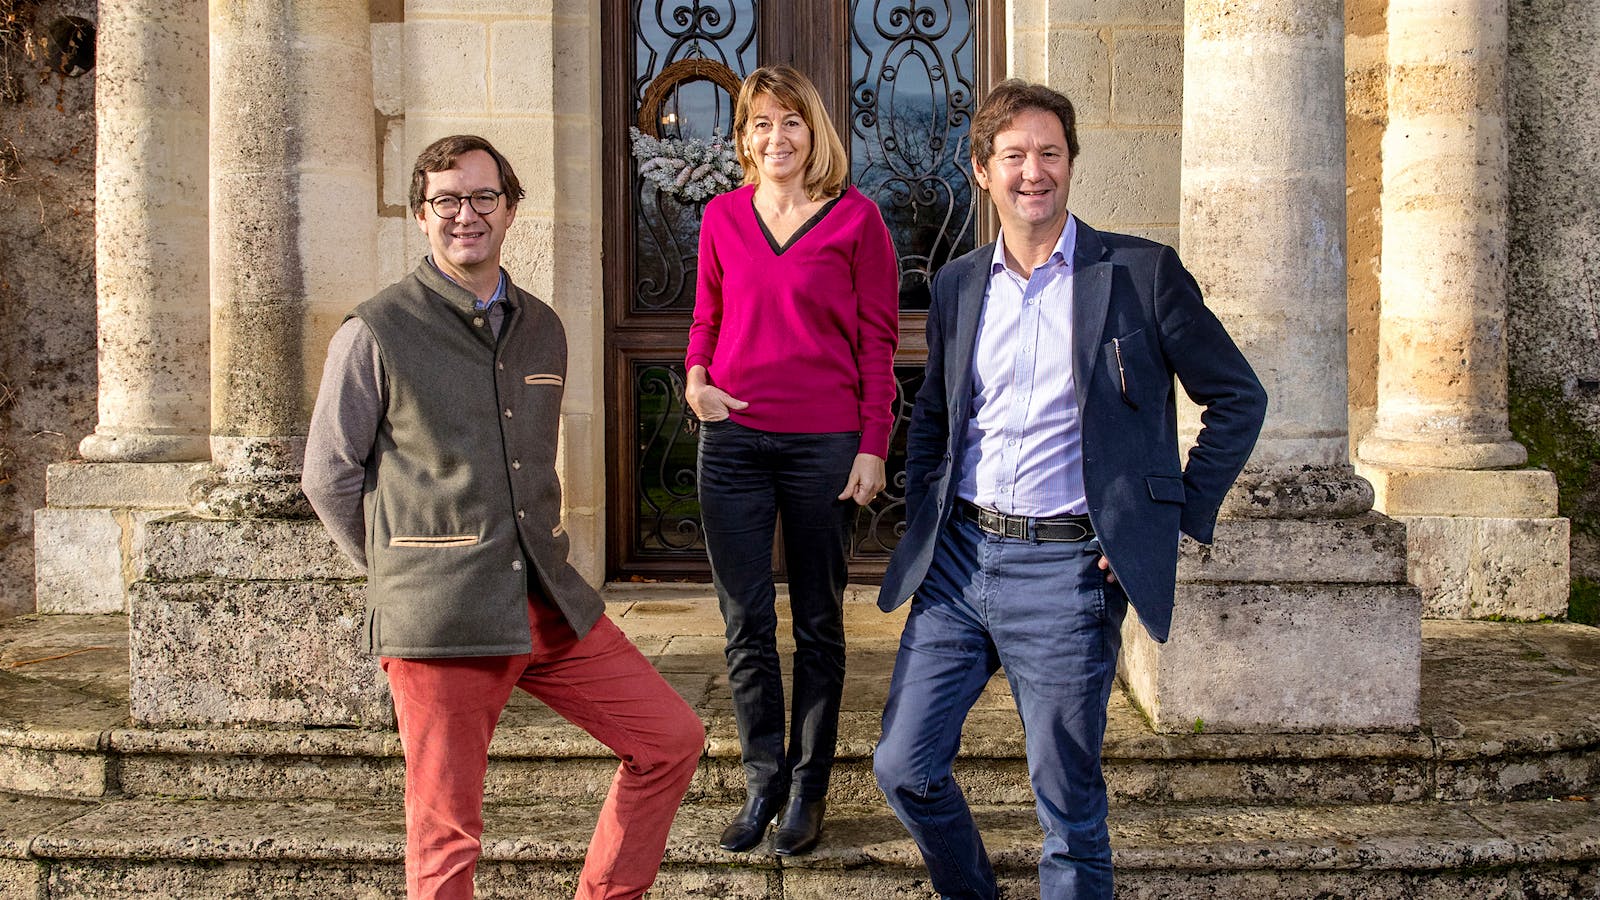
1263,230
293,203
1483,542
245,614
152,313
150,232
1298,617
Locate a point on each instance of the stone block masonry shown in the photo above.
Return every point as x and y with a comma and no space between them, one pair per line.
249,622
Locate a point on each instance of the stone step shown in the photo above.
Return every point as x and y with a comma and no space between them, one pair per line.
140,848
1509,715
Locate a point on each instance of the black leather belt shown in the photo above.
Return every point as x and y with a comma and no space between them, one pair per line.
1059,528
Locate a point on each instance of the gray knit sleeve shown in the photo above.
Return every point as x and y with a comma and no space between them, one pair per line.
344,426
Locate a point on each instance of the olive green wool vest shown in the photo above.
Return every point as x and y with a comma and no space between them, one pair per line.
461,498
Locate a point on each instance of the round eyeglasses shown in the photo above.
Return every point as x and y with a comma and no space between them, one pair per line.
448,206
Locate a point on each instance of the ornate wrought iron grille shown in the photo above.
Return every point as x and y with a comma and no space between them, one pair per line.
913,65
666,232
669,505
881,523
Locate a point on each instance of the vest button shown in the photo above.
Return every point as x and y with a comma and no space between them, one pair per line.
516,464
522,514
500,365
508,413
516,565
477,321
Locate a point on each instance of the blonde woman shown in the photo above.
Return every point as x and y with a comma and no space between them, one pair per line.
790,371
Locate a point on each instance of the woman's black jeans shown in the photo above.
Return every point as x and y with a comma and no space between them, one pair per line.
750,480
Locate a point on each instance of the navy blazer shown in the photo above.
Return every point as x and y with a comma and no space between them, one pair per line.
1140,495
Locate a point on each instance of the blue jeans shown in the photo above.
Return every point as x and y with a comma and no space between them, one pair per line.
750,480
1045,612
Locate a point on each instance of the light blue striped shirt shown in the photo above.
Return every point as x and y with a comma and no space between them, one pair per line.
1024,448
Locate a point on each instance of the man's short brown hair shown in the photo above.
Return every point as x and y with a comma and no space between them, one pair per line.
443,153
1011,98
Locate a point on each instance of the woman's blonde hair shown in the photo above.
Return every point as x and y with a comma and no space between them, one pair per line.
828,167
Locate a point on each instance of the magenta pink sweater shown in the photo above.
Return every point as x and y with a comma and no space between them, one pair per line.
806,337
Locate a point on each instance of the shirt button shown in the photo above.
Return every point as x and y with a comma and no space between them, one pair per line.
478,321
516,565
508,413
1012,442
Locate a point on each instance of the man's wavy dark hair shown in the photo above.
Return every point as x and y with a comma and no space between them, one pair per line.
443,153
1011,98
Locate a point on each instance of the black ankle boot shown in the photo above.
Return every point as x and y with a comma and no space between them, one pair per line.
800,827
750,825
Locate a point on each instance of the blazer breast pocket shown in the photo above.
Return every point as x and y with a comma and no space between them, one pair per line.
1165,488
1133,369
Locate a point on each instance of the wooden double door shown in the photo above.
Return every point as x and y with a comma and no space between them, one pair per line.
901,79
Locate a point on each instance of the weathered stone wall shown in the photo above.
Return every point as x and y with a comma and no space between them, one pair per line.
1121,63
1554,310
1366,113
47,292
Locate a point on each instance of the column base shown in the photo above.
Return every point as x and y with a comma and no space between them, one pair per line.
219,496
1390,452
1285,626
1480,543
145,447
1298,492
250,622
88,536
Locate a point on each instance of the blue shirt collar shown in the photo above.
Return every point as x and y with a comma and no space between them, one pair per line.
1062,255
499,290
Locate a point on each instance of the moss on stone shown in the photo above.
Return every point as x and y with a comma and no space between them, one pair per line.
1542,419
1584,608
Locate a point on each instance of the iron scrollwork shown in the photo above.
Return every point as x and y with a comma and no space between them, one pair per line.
668,500
881,523
913,65
667,230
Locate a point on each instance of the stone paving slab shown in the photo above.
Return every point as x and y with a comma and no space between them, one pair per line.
1419,836
24,818
1509,712
199,850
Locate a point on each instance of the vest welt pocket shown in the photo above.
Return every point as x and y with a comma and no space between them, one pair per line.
433,540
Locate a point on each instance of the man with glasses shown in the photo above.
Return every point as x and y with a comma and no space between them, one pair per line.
1044,493
431,459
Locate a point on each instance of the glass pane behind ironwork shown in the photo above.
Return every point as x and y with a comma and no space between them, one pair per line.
913,66
881,523
669,506
666,232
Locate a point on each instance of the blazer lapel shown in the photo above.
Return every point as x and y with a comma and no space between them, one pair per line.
964,341
1091,298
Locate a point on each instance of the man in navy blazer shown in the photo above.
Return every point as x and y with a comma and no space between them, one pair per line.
1044,492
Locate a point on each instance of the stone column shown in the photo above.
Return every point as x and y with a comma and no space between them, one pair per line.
1298,618
245,613
293,205
150,232
150,258
1483,542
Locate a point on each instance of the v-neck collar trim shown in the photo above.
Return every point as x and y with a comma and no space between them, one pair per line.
779,250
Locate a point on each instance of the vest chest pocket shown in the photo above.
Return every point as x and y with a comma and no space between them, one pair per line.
433,540
550,380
